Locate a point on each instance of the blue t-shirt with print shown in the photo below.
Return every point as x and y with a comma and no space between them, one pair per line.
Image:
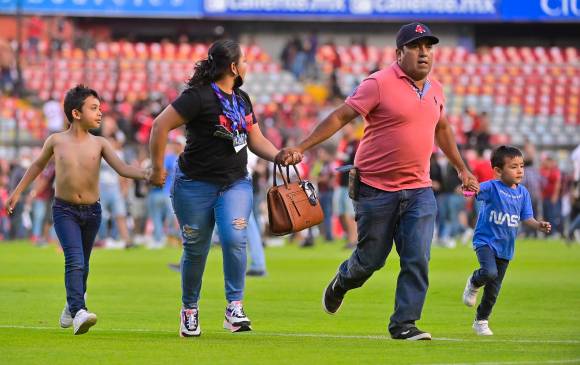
500,214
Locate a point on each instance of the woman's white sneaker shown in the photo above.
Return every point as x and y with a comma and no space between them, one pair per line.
189,326
482,328
235,318
83,321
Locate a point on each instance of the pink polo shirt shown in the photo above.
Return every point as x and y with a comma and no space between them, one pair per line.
399,131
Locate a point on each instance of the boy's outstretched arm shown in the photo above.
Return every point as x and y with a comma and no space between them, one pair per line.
545,227
32,173
119,165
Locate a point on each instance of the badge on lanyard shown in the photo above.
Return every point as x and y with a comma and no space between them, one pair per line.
235,112
240,141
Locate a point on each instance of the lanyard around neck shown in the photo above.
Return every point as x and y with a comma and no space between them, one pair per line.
234,111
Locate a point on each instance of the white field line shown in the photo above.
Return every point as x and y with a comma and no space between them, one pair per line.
306,335
570,361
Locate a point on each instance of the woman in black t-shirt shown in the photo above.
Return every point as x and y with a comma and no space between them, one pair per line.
212,186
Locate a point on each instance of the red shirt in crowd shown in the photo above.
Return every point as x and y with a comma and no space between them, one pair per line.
551,177
482,170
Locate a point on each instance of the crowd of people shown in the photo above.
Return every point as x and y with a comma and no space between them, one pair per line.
127,124
549,178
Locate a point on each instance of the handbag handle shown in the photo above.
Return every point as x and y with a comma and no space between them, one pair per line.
274,173
295,169
287,178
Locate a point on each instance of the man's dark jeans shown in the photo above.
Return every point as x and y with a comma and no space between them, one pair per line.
76,227
490,274
408,218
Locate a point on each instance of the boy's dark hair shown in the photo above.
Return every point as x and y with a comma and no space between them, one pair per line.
75,98
499,155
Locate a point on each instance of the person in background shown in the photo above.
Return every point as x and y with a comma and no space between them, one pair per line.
137,200
551,191
255,243
436,176
18,229
159,198
40,199
114,229
574,229
55,119
482,167
450,206
533,181
325,182
4,221
35,31
343,205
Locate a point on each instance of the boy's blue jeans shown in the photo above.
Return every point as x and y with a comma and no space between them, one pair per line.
408,218
200,205
490,275
76,227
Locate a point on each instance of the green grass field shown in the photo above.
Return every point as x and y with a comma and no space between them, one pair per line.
137,299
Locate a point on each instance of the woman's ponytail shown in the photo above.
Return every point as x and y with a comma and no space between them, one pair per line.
220,56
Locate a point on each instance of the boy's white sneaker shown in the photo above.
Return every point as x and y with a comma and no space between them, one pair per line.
482,328
470,293
66,319
83,321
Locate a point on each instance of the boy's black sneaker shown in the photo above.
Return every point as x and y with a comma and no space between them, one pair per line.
411,334
332,296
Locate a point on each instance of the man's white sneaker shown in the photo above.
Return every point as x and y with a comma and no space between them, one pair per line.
66,319
83,321
482,328
470,293
189,326
235,318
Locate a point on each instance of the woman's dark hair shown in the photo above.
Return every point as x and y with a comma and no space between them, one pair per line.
220,56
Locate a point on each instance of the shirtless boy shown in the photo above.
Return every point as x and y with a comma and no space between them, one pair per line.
76,209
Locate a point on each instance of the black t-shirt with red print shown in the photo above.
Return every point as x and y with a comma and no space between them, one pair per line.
207,157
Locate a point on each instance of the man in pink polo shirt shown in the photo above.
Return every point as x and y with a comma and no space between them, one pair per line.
404,113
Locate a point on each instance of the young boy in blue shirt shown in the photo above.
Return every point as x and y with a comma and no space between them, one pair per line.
504,204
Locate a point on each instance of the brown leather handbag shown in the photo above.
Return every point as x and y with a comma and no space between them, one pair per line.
292,206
